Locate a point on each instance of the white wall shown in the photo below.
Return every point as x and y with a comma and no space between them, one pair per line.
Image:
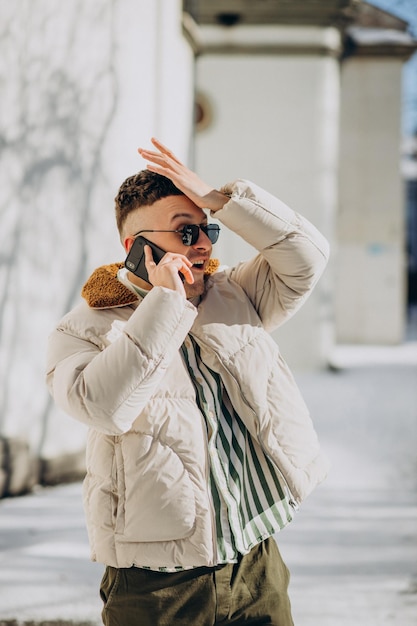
83,85
275,121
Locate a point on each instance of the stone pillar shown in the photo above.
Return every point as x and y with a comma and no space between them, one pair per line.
370,285
271,95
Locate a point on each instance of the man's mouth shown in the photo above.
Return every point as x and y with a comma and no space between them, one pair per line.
199,265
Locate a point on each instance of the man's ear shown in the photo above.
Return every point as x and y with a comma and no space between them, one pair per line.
128,242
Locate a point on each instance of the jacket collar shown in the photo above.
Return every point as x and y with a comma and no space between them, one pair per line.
103,290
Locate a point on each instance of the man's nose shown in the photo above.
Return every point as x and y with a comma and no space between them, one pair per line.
203,242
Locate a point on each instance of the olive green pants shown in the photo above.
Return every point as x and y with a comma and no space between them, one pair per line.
252,591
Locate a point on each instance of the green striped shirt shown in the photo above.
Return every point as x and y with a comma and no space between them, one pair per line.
249,501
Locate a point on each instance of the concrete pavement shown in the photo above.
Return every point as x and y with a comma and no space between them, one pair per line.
45,572
352,548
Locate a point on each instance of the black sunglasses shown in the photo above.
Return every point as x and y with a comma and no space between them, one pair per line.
190,233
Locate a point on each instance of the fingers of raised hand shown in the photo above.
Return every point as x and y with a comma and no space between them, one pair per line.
166,163
162,148
160,164
164,157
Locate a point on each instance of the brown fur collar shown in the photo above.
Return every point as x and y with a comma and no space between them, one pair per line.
103,290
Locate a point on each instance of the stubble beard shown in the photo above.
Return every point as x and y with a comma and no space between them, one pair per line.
197,288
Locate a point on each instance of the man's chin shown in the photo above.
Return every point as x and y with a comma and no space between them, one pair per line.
196,289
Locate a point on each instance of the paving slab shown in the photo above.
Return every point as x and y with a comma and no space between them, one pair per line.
45,568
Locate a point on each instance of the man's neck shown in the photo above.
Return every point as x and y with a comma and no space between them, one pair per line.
139,282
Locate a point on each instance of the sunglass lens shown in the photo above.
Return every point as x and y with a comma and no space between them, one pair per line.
212,231
190,234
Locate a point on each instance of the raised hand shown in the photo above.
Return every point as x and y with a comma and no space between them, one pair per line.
165,162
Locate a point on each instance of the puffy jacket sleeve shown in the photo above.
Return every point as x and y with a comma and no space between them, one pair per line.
293,253
107,388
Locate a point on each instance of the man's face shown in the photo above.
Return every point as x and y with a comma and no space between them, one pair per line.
173,213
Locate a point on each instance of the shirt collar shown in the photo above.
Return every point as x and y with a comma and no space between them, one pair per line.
122,276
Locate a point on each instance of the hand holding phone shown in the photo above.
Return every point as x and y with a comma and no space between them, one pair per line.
135,260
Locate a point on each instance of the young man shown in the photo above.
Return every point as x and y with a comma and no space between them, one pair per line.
200,446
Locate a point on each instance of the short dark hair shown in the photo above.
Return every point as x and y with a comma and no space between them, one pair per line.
141,189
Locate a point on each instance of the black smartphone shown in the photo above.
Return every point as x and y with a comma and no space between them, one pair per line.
135,260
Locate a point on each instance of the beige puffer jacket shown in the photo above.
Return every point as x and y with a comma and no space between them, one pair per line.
115,365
